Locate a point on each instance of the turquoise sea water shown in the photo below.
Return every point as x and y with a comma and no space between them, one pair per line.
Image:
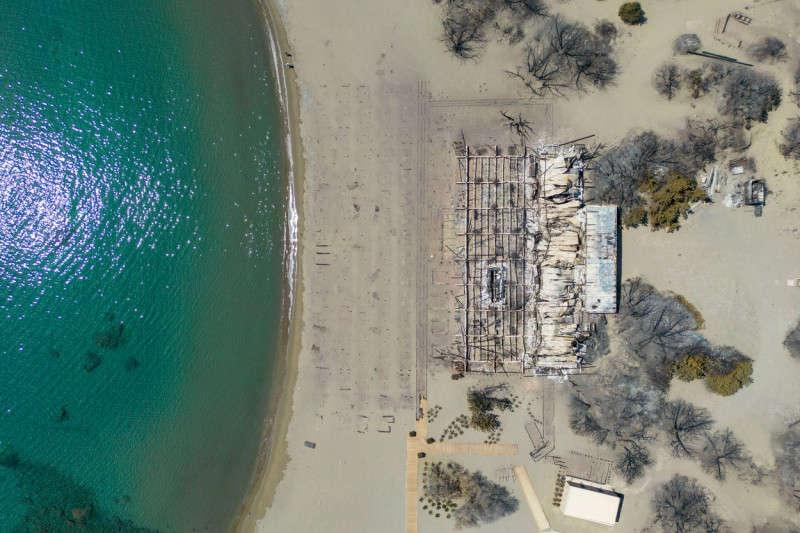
142,216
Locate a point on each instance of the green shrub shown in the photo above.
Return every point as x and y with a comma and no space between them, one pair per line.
631,13
485,421
690,367
672,201
635,217
722,377
698,317
726,384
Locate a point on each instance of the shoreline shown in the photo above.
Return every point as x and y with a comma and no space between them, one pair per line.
273,451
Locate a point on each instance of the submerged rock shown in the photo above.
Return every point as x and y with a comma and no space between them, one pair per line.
92,361
131,364
111,338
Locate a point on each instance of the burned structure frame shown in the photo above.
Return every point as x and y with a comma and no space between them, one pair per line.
498,197
520,302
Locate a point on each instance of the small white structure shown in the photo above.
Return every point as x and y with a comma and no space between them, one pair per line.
589,501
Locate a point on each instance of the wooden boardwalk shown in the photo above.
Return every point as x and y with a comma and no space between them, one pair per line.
469,448
532,499
417,444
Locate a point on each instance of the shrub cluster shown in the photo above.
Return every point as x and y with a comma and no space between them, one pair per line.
482,402
469,496
723,377
631,13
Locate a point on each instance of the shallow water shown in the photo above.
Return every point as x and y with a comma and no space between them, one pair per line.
142,208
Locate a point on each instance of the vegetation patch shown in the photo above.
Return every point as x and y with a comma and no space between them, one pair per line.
723,377
649,176
671,200
469,497
682,505
466,24
698,317
482,402
566,56
631,13
625,406
792,341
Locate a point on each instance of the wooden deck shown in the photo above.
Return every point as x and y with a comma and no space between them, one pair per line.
470,448
417,444
532,499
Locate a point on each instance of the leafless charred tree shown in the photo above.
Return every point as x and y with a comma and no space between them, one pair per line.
721,452
650,319
668,80
605,30
702,140
792,341
467,22
787,460
583,422
519,126
527,8
565,56
688,42
463,34
769,49
681,505
620,171
795,92
750,95
632,461
618,410
686,424
790,147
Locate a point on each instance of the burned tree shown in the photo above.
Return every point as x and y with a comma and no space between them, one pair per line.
652,323
466,22
526,8
583,422
633,460
787,460
463,34
682,505
769,49
622,170
605,30
477,499
565,56
790,147
668,80
792,340
688,42
701,141
618,410
721,452
685,424
518,126
750,95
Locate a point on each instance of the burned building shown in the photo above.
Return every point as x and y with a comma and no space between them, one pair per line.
533,262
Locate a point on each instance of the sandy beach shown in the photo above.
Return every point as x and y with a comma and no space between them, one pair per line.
375,105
